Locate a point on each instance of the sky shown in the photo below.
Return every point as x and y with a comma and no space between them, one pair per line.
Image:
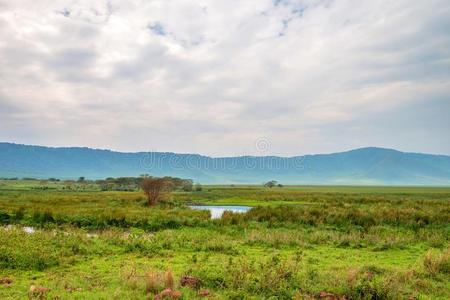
225,77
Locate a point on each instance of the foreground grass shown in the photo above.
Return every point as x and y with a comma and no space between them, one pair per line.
298,243
256,264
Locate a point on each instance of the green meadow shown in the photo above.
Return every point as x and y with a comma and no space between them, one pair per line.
297,242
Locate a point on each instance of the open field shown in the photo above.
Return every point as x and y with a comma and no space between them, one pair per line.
297,243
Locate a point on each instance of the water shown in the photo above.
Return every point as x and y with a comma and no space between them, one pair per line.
28,229
217,210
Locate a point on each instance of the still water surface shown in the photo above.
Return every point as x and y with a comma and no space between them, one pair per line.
218,210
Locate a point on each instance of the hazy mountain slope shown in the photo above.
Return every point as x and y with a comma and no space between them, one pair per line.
361,166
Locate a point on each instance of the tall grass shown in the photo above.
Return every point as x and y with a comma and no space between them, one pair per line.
296,243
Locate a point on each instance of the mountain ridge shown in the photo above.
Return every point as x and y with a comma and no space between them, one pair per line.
204,155
362,166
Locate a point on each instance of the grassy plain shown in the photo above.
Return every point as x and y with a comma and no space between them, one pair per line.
299,242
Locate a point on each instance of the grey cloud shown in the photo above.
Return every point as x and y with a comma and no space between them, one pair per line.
149,60
7,107
69,58
73,64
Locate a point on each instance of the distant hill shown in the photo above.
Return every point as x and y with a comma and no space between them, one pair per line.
365,166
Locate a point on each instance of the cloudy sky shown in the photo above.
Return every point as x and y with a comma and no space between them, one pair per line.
225,77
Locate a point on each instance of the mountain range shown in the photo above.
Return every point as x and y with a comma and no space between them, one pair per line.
364,166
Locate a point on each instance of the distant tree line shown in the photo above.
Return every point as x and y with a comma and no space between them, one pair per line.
114,184
134,183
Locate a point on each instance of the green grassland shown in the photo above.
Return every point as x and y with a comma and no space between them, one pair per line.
296,243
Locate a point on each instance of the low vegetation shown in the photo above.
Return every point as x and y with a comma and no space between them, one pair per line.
296,243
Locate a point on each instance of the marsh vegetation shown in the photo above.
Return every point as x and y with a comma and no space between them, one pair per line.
295,243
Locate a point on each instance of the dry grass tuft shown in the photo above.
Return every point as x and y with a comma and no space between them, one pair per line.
352,277
437,263
130,277
168,280
151,282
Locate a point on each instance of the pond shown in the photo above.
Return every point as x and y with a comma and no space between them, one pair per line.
27,229
218,210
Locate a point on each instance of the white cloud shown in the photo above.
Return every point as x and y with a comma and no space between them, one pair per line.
214,76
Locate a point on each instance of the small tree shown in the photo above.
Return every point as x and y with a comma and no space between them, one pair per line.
270,184
187,186
154,189
198,187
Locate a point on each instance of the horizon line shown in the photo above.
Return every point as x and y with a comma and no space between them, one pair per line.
221,157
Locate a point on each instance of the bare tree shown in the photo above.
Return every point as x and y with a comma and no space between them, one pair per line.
154,189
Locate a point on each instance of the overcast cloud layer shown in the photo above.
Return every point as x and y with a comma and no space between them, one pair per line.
217,77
